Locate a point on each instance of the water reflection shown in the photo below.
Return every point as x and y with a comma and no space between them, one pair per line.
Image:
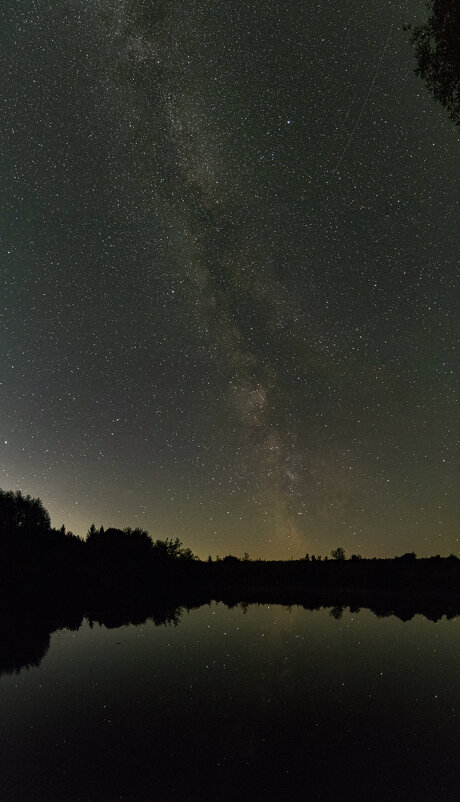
245,701
25,634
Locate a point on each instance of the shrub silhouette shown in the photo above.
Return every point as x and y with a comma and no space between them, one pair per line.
170,549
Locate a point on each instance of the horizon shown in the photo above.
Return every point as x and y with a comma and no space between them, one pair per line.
246,557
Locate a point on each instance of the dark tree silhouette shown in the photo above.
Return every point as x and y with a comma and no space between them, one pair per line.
408,557
18,512
170,549
437,50
338,553
116,545
187,554
23,643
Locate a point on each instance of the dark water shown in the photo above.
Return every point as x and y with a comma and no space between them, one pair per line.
270,703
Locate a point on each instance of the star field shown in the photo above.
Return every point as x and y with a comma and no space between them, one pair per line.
228,278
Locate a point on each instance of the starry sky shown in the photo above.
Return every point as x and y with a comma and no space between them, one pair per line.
228,262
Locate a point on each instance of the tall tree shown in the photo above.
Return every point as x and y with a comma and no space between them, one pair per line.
437,50
22,513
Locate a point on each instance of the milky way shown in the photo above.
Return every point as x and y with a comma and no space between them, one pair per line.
228,299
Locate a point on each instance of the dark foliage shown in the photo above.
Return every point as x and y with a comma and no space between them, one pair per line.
118,545
20,514
49,578
437,50
230,559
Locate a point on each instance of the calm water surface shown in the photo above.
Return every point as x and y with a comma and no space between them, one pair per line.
270,703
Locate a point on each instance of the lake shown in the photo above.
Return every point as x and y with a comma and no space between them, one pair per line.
253,702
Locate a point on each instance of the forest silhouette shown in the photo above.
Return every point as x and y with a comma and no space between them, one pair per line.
50,579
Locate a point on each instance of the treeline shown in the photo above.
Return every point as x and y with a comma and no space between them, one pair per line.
30,545
338,554
125,566
49,579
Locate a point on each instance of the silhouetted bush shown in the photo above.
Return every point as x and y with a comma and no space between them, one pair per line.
170,549
230,559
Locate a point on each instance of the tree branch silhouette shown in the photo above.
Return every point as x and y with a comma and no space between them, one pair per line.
437,50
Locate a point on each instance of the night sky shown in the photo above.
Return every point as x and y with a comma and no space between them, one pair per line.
229,248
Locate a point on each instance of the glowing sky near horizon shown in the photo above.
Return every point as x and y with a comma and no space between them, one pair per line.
208,329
